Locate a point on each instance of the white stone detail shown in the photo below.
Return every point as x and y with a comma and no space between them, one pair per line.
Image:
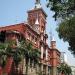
18,43
37,22
42,37
38,6
46,54
41,52
24,68
47,41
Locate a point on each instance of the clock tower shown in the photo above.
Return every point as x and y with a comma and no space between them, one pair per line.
37,17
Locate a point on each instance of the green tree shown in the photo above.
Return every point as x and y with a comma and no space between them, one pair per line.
17,58
4,48
9,49
2,55
64,69
27,55
14,52
62,8
66,31
30,53
36,55
65,10
25,50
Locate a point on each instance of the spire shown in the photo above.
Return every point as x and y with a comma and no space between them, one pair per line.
37,22
36,26
52,39
52,42
37,4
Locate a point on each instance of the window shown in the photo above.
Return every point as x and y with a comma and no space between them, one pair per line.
2,36
35,40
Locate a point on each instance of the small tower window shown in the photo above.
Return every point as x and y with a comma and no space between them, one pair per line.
42,28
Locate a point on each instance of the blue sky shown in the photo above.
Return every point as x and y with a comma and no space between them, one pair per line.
15,11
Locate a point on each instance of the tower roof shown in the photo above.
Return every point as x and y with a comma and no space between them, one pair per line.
40,9
37,7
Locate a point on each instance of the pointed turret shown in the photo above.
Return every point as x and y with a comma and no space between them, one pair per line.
53,39
36,26
53,43
37,22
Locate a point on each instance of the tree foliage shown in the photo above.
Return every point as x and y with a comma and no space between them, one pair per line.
62,8
65,10
66,31
30,54
64,69
2,55
25,51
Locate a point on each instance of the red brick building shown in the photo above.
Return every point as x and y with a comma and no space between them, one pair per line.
34,30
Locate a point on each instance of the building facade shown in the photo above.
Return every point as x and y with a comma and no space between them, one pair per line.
34,30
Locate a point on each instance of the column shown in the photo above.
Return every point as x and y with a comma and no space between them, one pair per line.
47,70
46,54
24,67
42,52
42,69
